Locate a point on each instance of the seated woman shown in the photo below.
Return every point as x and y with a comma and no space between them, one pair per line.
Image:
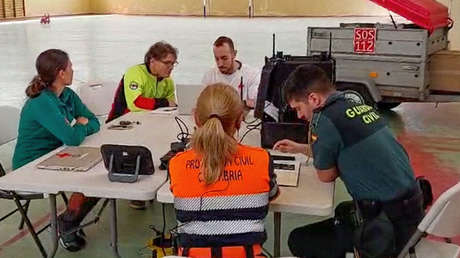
221,188
52,116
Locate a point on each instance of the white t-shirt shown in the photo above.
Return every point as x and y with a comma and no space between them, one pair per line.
246,74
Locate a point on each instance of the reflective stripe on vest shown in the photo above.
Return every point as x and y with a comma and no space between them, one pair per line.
221,202
222,227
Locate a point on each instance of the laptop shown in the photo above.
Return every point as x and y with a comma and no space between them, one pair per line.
286,167
77,159
187,94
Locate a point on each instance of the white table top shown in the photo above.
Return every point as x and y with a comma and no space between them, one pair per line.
155,132
310,197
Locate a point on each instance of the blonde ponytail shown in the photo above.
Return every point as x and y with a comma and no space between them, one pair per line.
218,109
215,147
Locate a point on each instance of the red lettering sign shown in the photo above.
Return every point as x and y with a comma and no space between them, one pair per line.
364,40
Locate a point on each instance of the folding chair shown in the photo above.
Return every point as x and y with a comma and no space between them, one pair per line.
98,96
8,132
442,220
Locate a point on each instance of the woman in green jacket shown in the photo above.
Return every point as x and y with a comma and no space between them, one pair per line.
52,116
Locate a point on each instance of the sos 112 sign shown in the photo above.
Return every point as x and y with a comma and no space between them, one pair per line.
364,40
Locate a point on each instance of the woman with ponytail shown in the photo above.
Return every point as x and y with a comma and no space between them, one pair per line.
54,115
221,188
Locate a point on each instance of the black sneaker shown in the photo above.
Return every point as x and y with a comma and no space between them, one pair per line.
73,242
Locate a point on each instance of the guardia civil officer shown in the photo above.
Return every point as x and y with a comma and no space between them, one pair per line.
353,142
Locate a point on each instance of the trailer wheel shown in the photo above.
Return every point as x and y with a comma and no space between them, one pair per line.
387,105
355,91
353,96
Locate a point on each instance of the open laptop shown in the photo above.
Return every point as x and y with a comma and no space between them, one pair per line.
187,94
78,159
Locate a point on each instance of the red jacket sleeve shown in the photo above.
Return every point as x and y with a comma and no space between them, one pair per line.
150,103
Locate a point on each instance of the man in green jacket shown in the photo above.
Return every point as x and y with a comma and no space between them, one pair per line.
147,86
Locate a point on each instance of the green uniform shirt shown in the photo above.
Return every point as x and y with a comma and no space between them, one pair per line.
139,81
356,139
45,124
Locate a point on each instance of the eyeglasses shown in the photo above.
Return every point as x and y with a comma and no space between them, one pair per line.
169,63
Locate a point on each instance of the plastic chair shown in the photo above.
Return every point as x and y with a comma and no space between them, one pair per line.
8,132
98,96
442,220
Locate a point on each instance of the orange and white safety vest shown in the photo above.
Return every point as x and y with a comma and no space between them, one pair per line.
229,212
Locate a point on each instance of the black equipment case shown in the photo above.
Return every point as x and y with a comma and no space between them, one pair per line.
281,121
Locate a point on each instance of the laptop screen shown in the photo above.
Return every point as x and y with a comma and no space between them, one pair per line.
187,94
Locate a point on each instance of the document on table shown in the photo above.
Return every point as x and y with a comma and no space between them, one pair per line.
164,110
286,168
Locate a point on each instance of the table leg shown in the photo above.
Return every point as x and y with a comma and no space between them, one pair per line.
277,244
53,222
113,228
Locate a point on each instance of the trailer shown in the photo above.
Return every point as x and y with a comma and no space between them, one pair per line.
386,64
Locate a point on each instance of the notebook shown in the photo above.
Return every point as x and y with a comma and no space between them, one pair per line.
78,159
286,167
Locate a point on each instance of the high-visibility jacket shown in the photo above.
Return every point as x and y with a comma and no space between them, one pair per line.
229,212
139,90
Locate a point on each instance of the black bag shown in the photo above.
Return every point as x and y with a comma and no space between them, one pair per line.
275,72
373,233
427,191
375,237
125,163
271,97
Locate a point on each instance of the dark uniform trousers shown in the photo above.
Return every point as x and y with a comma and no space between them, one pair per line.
333,238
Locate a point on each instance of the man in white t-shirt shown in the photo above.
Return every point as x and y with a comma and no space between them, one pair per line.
232,72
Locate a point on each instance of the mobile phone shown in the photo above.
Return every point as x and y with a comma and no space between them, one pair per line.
119,127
